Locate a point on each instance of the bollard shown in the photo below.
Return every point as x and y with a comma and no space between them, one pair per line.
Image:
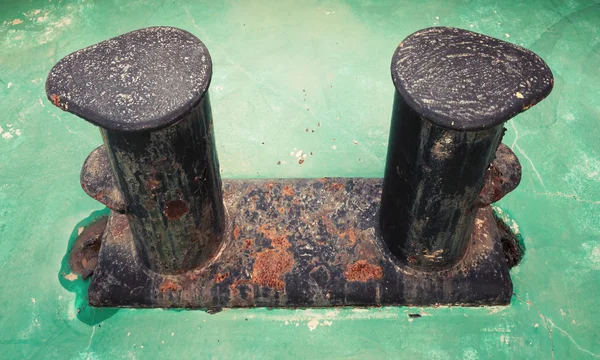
155,120
454,91
177,236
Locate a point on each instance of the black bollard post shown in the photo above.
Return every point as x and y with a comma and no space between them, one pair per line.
156,124
454,91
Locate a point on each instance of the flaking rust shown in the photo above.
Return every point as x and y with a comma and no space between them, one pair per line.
323,250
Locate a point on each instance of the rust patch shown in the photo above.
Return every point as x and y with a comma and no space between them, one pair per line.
55,100
280,242
175,209
270,266
235,293
277,240
169,285
221,277
288,191
363,271
152,184
84,253
236,233
350,235
337,186
281,210
248,244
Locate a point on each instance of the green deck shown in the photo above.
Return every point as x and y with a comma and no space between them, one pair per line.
281,67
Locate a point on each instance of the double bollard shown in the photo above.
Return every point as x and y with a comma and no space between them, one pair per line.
429,236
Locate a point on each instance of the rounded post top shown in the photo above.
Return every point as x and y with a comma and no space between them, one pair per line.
465,81
140,81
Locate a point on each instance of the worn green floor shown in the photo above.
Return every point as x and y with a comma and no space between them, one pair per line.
281,67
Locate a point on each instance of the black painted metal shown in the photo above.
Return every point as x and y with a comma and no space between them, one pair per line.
432,180
299,242
156,123
454,91
302,243
170,182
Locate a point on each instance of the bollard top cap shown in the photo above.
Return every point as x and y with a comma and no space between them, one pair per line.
140,81
465,81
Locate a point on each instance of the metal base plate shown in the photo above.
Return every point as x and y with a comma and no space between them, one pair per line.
301,243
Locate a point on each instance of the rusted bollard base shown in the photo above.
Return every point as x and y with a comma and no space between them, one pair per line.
301,243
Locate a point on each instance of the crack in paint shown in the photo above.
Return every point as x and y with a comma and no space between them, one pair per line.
551,325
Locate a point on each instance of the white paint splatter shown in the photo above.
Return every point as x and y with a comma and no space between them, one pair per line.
569,118
592,248
334,147
313,324
71,277
9,85
507,35
470,354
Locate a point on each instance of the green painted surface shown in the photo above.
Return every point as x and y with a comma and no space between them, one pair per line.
281,68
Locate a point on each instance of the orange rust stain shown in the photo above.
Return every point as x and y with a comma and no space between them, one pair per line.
169,285
280,242
55,99
270,186
350,235
323,180
270,266
277,240
288,191
363,271
152,184
233,287
236,233
175,209
337,186
221,277
281,210
248,243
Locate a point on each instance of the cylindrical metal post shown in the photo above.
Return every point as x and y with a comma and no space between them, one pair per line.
454,91
170,182
432,179
148,92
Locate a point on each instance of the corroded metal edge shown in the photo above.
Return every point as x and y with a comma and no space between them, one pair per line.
302,243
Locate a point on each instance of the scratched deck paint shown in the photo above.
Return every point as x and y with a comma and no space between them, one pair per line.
301,90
